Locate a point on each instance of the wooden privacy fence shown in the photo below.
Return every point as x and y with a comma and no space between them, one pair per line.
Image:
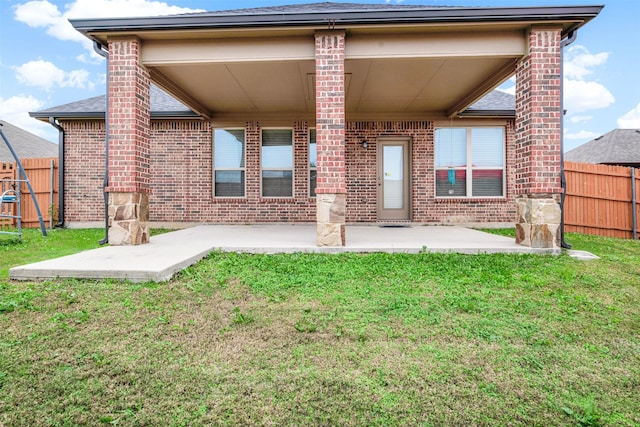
602,200
43,174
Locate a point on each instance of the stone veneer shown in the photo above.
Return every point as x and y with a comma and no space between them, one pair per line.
330,219
128,218
538,223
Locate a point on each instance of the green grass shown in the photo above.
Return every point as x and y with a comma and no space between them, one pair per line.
35,247
348,339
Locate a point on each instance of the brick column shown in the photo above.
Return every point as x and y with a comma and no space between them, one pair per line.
129,124
330,138
538,141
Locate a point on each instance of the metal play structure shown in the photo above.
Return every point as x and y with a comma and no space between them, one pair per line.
10,196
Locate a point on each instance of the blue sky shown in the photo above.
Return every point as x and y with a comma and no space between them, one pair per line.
45,63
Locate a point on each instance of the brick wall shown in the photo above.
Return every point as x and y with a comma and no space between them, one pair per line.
128,118
181,171
84,170
330,113
538,114
362,181
182,158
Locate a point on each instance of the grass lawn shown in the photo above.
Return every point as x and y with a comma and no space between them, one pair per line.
345,340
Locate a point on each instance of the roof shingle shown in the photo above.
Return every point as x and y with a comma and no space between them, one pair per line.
618,147
163,104
25,144
320,7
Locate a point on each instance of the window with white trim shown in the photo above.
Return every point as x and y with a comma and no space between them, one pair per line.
277,162
470,162
228,162
313,161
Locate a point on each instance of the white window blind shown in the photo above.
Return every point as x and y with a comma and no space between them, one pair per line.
470,162
451,147
487,147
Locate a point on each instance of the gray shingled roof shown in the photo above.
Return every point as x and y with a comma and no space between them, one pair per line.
25,144
618,147
495,101
317,8
164,105
344,13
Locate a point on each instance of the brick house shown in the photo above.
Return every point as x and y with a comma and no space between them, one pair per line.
331,113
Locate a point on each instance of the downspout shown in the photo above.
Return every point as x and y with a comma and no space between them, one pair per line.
100,51
53,123
563,179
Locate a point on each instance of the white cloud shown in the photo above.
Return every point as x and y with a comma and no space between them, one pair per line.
579,62
580,119
580,96
583,134
631,119
37,13
15,110
511,90
46,75
509,86
43,14
92,59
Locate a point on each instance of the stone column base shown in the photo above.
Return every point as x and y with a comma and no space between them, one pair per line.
128,219
538,224
330,217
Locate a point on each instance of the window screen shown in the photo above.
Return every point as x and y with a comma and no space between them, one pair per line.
277,163
229,162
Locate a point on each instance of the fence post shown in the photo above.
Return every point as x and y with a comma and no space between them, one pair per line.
51,193
634,209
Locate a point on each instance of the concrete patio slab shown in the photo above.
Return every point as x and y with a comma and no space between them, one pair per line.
169,253
582,255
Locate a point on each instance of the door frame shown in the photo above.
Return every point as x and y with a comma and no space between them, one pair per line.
405,213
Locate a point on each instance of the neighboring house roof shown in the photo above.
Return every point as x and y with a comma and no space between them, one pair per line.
25,144
163,105
618,147
495,103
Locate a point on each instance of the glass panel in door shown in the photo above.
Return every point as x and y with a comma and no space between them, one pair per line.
393,180
393,176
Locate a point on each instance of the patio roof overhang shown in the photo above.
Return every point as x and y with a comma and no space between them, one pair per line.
411,64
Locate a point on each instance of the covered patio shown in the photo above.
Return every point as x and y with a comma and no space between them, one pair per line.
168,253
336,113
